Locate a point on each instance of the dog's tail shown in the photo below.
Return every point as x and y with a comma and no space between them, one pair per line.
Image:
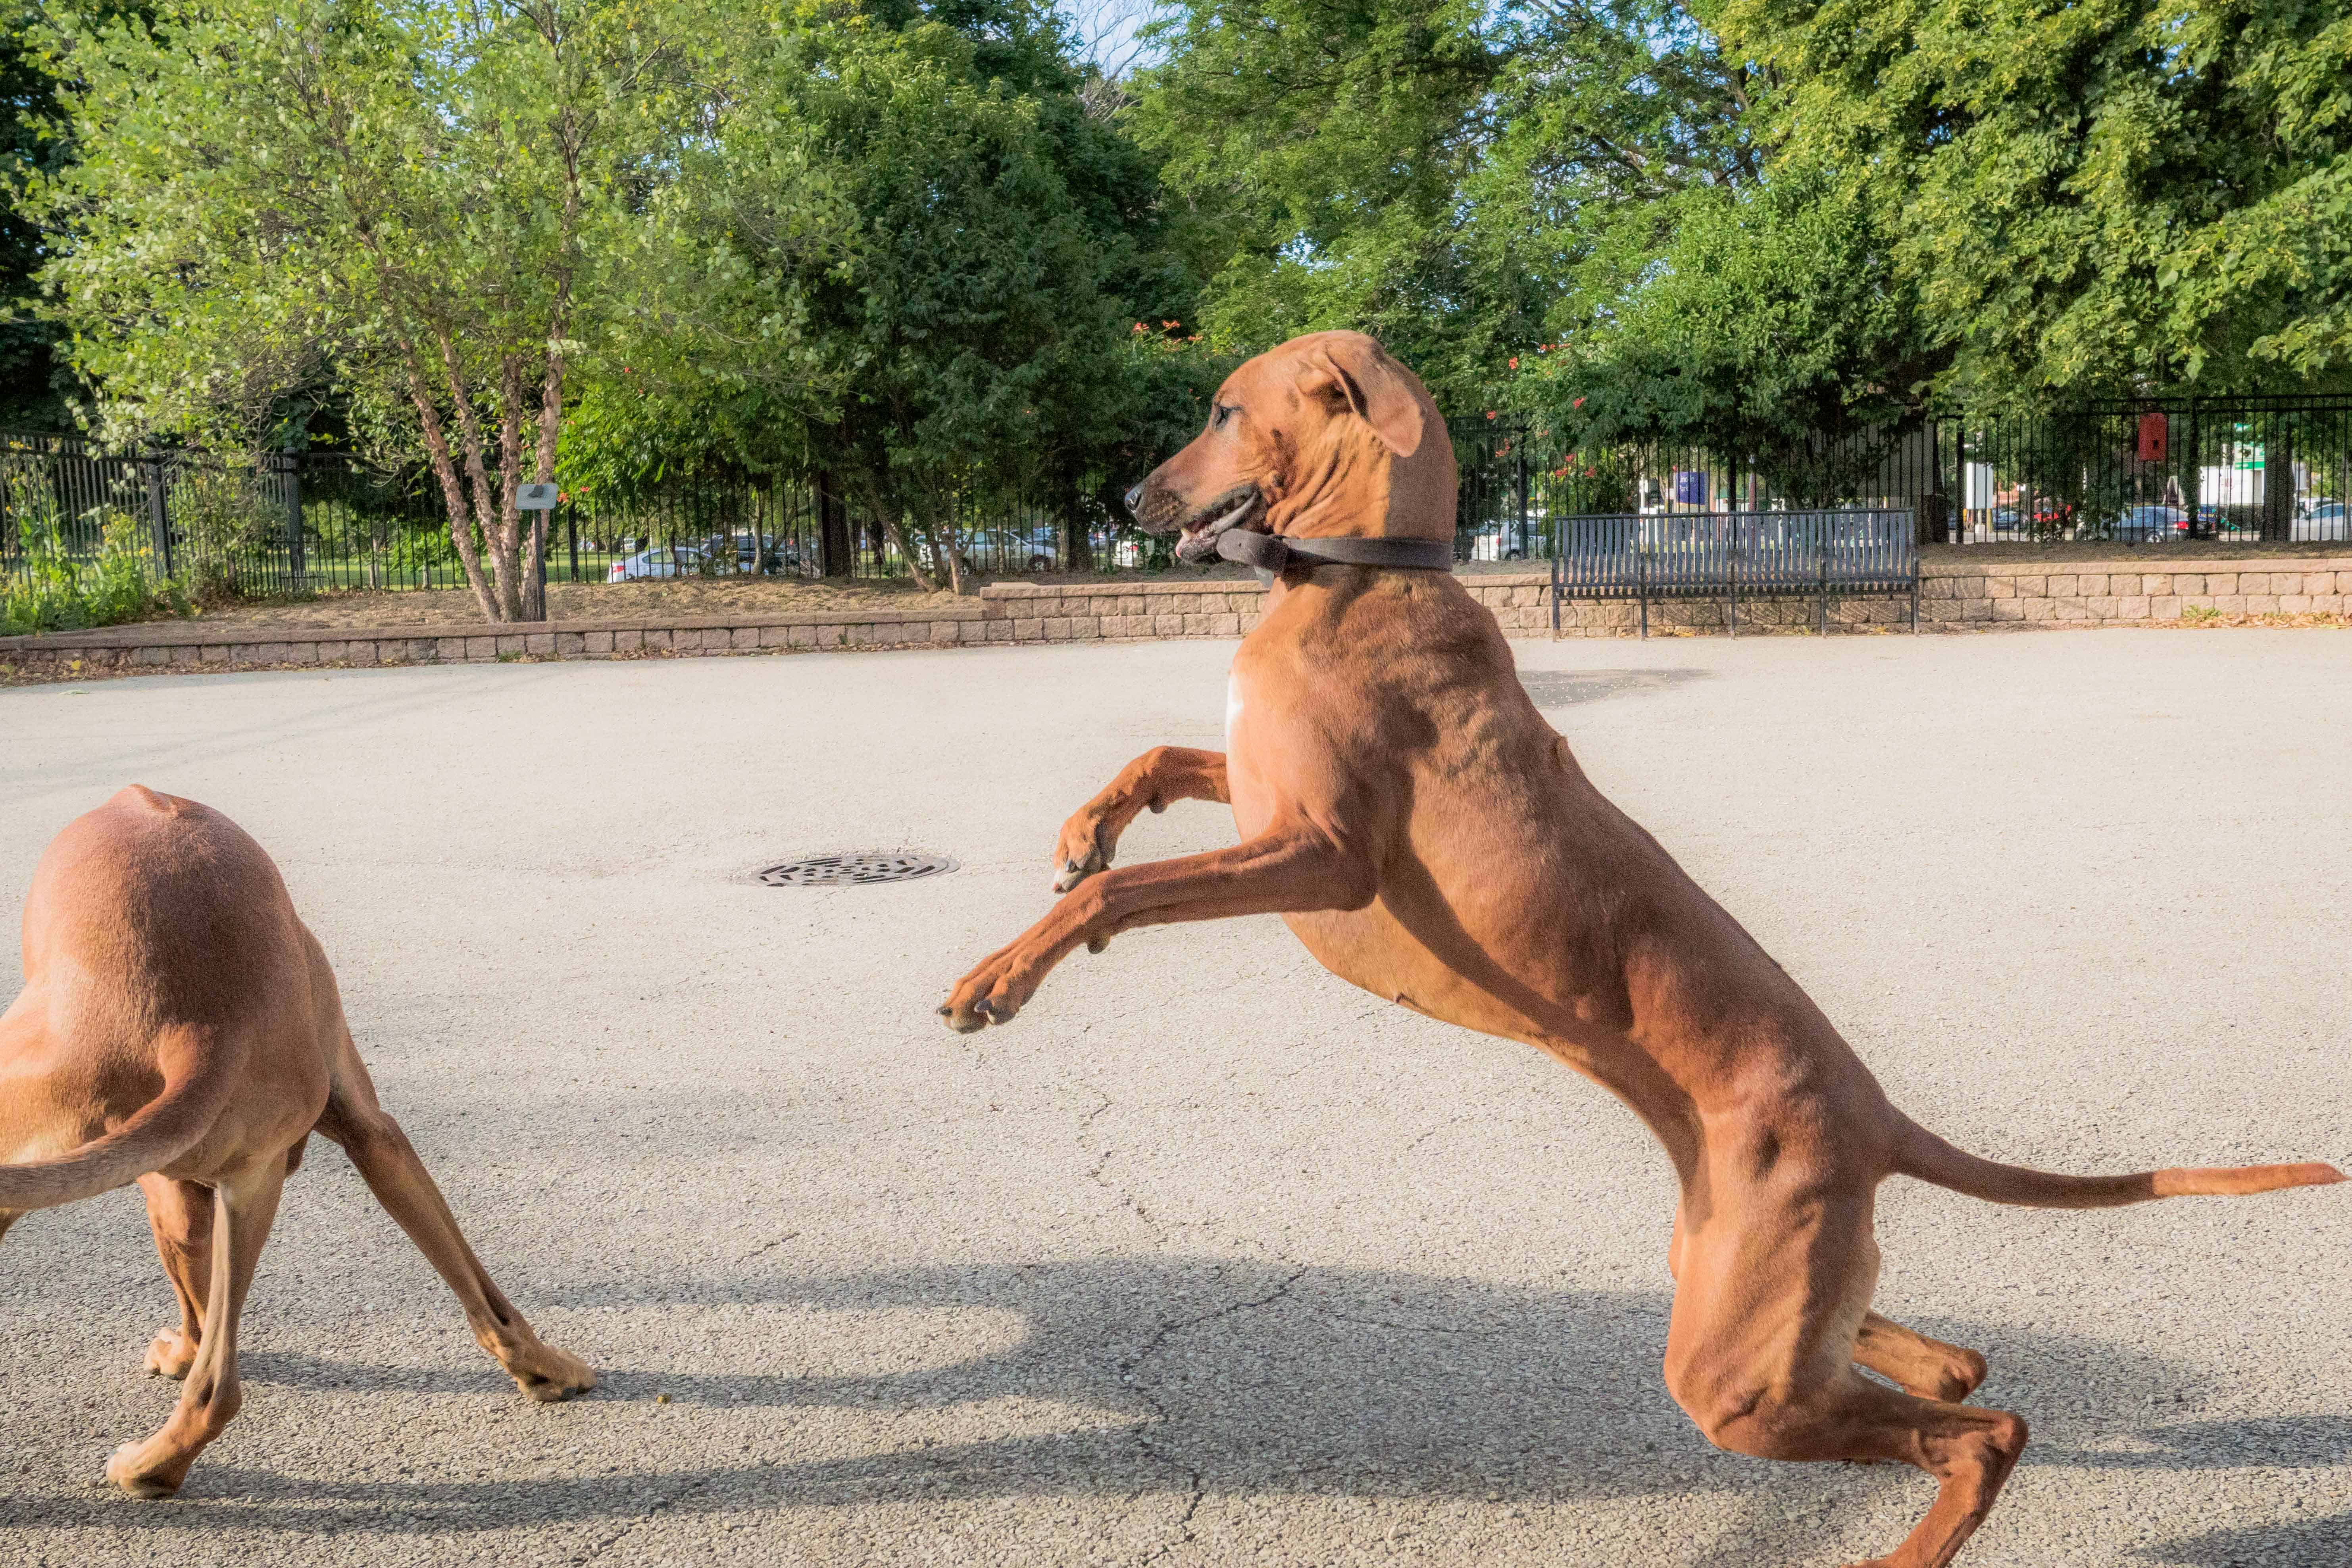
1919,1152
197,1079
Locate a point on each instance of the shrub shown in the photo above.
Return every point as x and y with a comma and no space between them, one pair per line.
55,592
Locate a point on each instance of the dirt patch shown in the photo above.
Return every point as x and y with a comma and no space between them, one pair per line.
619,601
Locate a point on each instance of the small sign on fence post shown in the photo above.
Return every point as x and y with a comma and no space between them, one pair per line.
538,500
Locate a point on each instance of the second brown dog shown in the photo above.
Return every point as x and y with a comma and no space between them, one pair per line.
179,1026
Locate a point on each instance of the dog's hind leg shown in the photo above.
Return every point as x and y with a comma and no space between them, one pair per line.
1928,1368
243,1207
180,1216
1772,1292
401,1183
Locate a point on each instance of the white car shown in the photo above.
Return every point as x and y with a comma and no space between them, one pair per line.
660,562
2325,521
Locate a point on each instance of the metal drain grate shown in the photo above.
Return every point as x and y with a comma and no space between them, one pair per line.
855,870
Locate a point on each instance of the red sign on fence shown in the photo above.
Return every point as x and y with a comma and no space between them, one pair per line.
2151,438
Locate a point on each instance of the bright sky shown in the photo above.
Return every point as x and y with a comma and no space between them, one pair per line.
1106,28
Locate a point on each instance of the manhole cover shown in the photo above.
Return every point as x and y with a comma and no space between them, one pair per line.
845,870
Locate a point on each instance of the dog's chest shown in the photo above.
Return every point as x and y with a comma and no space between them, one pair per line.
1233,706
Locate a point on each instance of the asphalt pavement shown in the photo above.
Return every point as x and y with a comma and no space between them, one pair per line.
1208,1258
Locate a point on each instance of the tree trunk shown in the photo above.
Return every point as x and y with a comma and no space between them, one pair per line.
497,532
453,493
892,525
945,531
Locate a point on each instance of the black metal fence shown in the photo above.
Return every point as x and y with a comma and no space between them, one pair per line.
2247,470
299,523
2243,470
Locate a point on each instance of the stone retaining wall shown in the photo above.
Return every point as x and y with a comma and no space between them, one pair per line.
1955,594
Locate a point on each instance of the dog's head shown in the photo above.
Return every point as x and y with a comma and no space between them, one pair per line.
1326,436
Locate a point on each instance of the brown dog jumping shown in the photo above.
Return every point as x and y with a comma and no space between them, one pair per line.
1409,813
179,1026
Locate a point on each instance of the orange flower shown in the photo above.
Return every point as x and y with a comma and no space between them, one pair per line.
1515,361
1578,404
1490,414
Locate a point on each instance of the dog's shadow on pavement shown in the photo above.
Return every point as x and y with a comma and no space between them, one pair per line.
1197,1377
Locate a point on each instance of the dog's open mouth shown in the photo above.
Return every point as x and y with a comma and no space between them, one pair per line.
1198,540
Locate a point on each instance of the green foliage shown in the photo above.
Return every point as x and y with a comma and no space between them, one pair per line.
36,385
224,522
1454,178
1773,327
2090,197
897,248
59,588
399,206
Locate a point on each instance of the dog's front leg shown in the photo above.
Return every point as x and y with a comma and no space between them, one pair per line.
1292,866
1161,774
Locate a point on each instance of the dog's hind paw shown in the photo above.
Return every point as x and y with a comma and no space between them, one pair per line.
171,1355
128,1468
553,1375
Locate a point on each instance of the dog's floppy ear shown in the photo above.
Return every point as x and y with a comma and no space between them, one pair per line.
1352,370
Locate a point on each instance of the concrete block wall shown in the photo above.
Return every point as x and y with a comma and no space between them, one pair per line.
1954,595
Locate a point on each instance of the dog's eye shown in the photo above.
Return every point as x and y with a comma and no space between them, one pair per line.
1218,413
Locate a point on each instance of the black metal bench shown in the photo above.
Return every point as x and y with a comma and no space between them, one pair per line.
1731,555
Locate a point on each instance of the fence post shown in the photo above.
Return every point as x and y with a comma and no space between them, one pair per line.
1520,443
1960,469
2193,491
571,538
159,517
289,465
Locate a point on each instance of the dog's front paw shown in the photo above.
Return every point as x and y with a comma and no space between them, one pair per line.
1083,849
171,1355
990,994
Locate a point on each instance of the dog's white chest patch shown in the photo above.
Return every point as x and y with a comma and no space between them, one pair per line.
1233,707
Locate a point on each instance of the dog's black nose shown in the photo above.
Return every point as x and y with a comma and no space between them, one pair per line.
1135,497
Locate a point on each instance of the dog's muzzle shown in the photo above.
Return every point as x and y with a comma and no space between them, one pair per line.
1198,527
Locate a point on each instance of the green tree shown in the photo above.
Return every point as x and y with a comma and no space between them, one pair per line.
397,203
1455,178
2130,194
1773,329
35,385
899,250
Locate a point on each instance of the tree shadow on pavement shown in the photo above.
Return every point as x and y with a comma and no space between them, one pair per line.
2296,1543
1191,1377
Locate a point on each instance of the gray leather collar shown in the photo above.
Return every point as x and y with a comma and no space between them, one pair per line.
1271,554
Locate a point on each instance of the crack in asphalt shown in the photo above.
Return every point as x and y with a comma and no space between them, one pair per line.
1196,1480
1126,1196
767,1247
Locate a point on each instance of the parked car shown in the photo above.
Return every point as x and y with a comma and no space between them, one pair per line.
2325,521
775,555
2152,524
661,561
1506,543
